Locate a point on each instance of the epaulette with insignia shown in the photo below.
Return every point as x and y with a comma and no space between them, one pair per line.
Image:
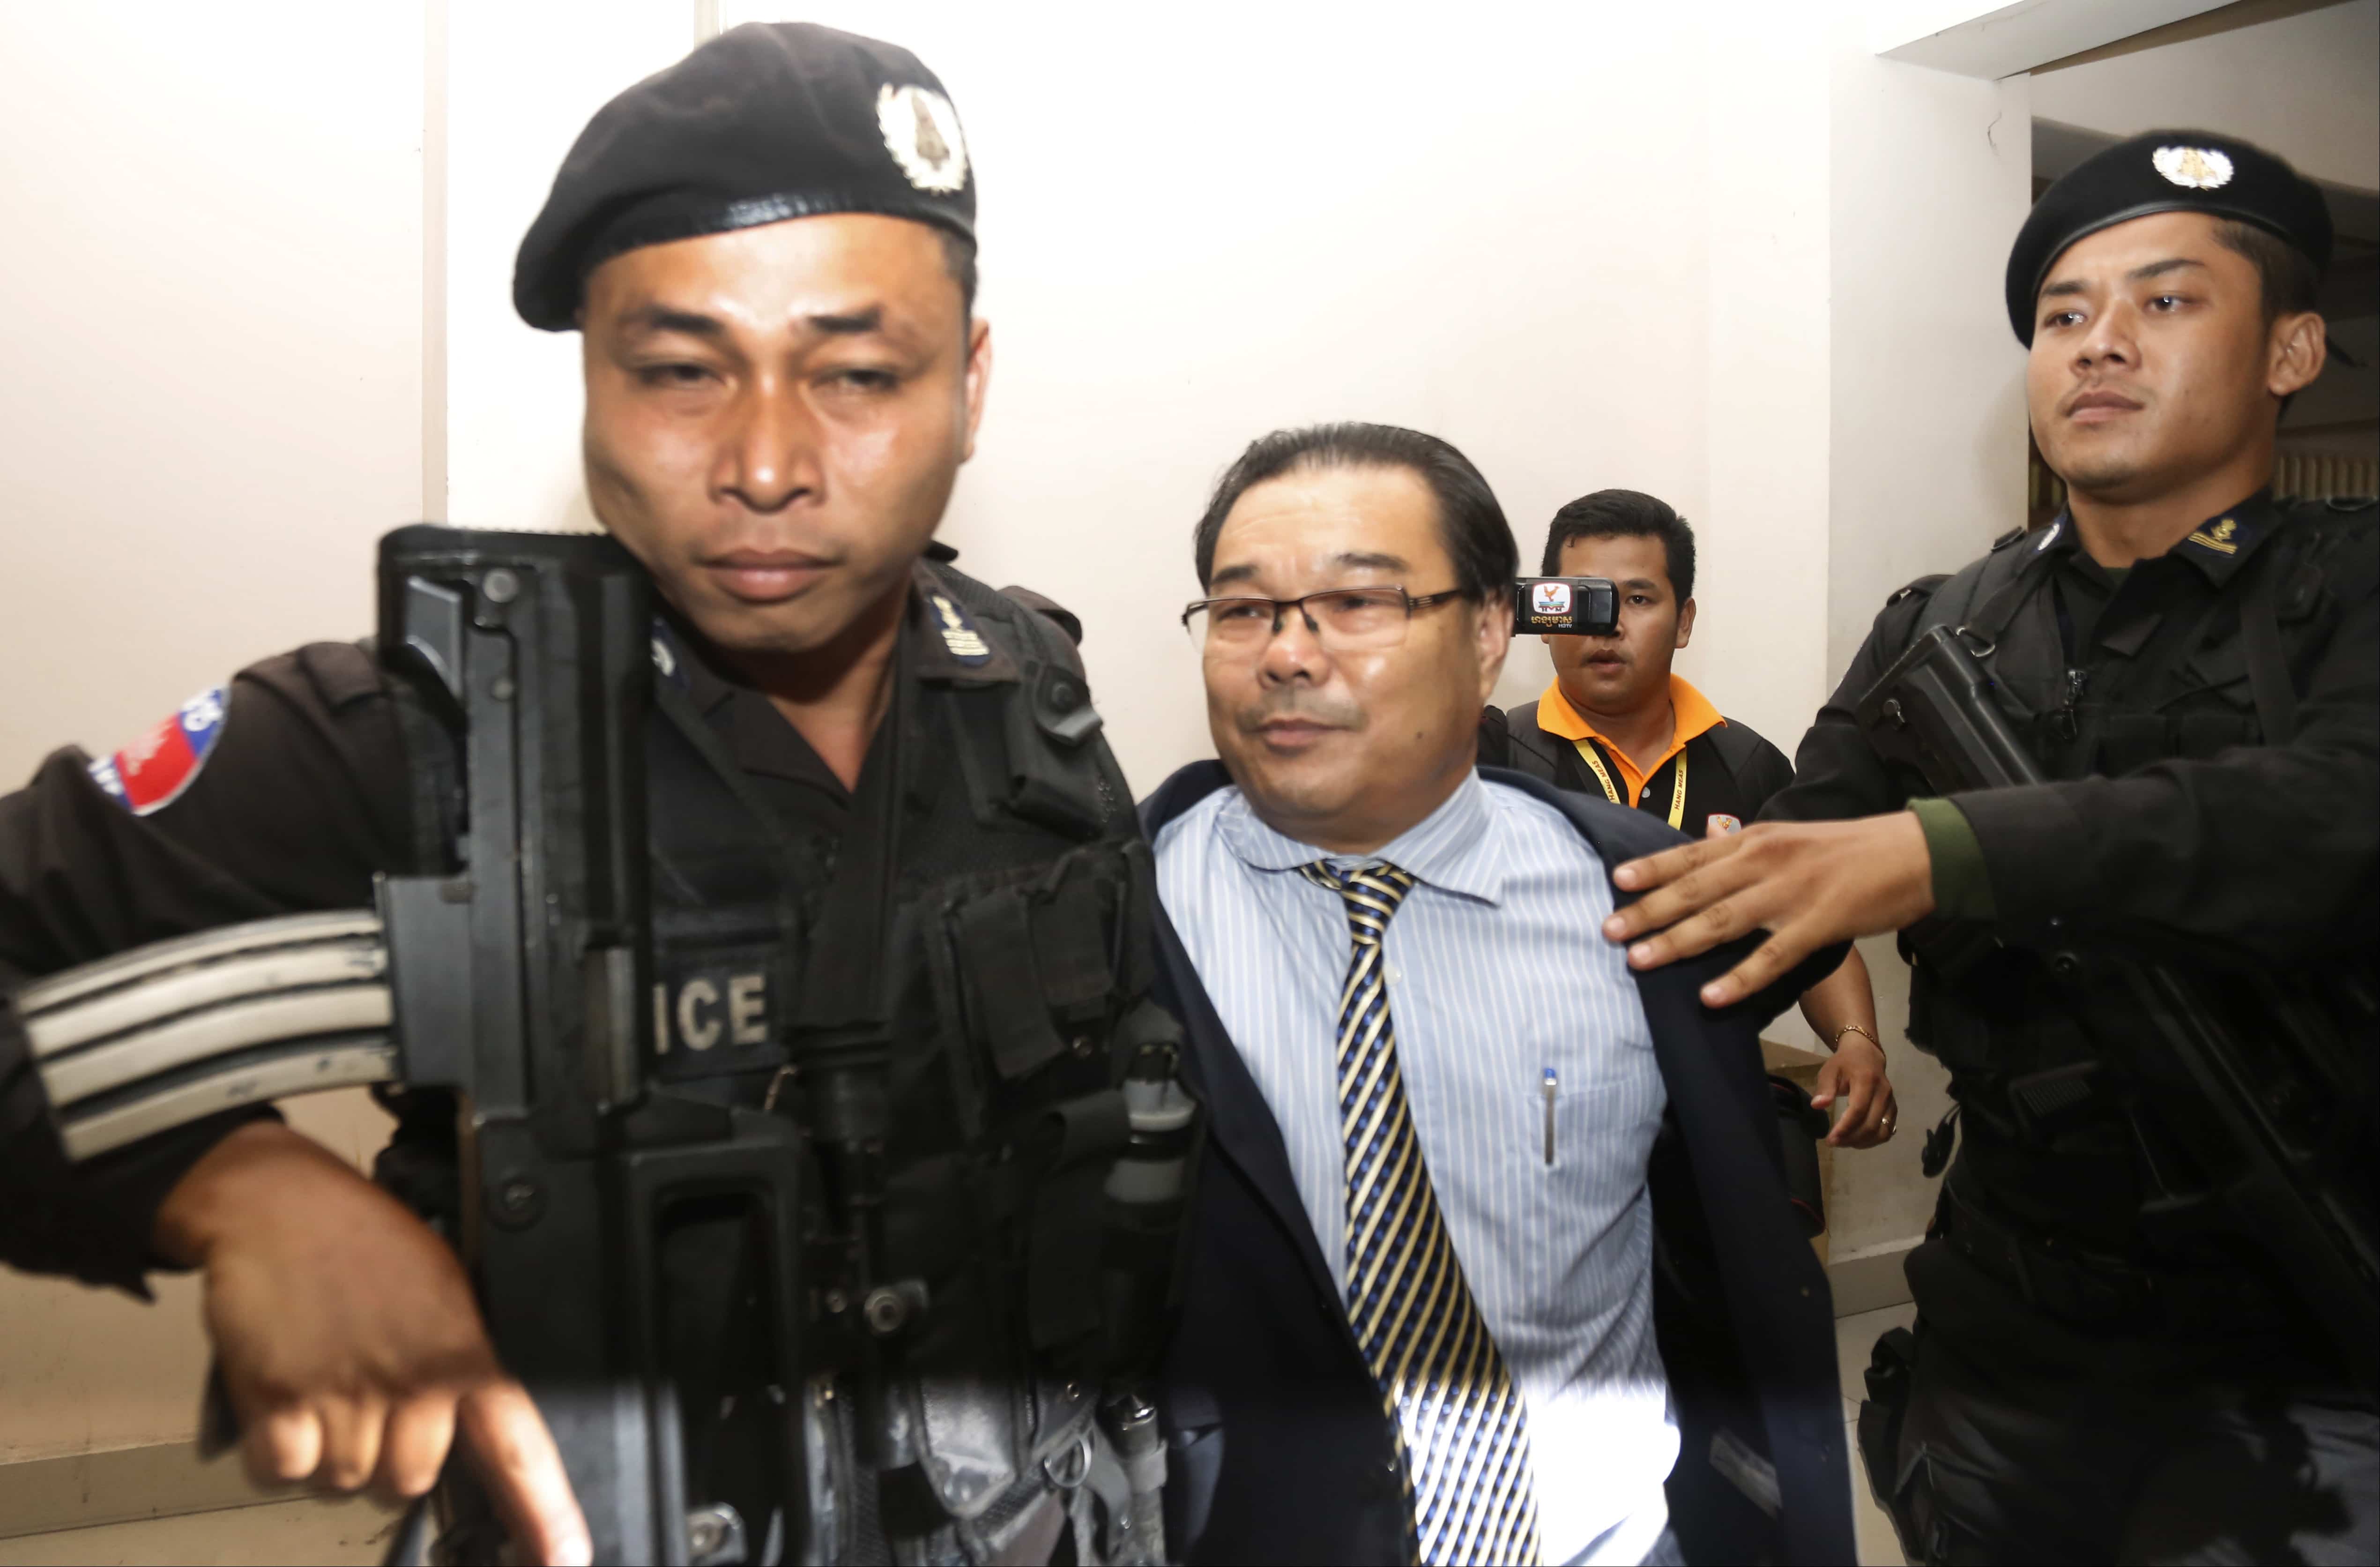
959,634
2223,537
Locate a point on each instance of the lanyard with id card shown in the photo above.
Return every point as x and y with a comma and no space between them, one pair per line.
1589,754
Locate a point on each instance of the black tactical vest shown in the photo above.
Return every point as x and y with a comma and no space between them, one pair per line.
2067,1158
1019,1186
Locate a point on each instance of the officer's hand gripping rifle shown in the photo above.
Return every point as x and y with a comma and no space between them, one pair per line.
2272,1101
517,976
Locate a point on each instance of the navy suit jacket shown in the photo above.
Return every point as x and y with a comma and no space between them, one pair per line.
1279,1450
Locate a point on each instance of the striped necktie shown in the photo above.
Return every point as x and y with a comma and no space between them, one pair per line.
1461,1424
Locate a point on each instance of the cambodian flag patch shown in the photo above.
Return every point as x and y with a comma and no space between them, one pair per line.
151,772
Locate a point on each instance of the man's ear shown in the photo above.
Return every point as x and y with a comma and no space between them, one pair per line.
979,379
1685,623
2296,353
1493,640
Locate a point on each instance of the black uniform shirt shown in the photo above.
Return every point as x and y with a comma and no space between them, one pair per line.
783,768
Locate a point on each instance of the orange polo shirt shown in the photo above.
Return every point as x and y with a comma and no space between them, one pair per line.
1696,716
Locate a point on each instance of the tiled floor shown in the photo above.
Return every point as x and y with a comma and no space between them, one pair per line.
331,1534
1853,1337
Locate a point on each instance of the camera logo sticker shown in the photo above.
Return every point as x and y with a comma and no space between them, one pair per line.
151,772
2194,168
921,131
1549,598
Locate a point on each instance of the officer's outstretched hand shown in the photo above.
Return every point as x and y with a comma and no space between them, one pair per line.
1806,883
348,1339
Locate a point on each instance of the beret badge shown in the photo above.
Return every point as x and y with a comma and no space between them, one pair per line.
2194,169
921,131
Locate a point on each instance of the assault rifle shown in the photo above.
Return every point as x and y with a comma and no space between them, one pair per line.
2256,1088
514,975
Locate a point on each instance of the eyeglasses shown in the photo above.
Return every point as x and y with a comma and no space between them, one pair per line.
1344,620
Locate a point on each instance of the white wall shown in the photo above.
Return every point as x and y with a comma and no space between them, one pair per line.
1761,536
213,405
2300,85
214,340
1926,447
521,79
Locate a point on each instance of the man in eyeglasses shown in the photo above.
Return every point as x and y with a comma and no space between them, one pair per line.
1423,1316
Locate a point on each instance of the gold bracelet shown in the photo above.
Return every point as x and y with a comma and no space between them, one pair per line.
1836,1042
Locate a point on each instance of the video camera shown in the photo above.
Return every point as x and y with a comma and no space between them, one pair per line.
1566,606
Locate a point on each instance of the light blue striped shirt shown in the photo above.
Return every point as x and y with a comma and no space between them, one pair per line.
1497,971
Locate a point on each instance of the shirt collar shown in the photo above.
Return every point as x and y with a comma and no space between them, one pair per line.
1695,714
1448,848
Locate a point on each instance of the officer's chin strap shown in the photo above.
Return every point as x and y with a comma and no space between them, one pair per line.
149,1040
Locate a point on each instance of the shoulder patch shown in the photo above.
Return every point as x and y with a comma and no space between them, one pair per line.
152,772
1920,589
959,634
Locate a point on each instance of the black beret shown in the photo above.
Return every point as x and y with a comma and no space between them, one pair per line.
766,122
2163,171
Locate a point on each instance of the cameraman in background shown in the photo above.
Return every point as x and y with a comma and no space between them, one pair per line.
1619,721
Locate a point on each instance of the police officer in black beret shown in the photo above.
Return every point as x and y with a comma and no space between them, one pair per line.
2103,1367
769,249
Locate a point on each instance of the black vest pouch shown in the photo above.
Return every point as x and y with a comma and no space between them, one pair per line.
1001,1000
1033,968
1026,757
1959,1020
1034,962
1079,1142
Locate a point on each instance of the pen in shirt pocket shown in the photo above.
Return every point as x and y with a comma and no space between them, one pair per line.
1551,1082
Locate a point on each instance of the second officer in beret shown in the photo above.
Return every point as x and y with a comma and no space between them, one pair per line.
2108,1365
880,803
